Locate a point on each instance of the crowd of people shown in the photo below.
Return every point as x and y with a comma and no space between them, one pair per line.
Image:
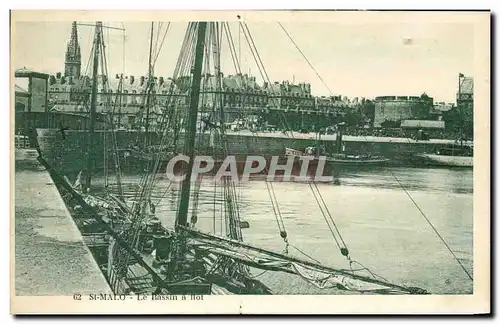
416,134
350,130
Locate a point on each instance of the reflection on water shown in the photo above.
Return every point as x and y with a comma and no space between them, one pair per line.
378,221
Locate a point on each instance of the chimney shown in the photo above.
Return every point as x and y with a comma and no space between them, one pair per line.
161,81
132,79
142,81
58,75
117,76
52,80
63,80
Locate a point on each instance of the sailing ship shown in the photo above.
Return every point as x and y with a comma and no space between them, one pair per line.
147,257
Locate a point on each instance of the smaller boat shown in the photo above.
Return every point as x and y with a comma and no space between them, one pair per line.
452,155
358,160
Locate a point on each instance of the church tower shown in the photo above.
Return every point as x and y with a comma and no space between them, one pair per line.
73,62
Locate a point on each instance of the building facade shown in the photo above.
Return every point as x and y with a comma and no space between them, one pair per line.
394,109
465,98
73,61
126,95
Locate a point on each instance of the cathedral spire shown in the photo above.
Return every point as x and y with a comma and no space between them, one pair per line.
72,64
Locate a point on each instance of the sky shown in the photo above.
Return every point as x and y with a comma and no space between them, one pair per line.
354,60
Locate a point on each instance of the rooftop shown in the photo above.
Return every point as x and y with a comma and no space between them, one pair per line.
422,124
19,89
467,85
25,73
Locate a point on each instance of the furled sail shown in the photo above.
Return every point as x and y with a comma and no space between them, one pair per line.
321,276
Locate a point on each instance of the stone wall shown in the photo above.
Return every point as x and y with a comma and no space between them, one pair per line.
69,154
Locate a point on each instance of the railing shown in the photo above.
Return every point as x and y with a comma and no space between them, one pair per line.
96,239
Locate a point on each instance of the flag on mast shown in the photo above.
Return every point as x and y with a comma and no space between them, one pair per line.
460,75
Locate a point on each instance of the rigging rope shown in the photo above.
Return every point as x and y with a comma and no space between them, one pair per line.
326,220
260,66
317,194
236,62
123,48
305,254
432,226
262,70
149,177
161,44
324,209
305,58
104,71
148,180
428,221
411,198
344,251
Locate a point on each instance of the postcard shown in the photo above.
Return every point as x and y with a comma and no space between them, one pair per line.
253,162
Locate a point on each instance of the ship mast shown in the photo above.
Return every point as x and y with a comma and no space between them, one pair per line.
150,86
182,212
93,104
460,108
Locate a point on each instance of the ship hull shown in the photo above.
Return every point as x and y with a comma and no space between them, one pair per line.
447,161
359,163
298,172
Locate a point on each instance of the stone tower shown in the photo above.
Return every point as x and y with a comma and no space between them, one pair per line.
73,62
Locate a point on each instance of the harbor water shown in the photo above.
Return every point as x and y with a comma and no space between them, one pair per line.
378,213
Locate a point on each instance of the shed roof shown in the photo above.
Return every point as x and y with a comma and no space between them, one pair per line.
422,124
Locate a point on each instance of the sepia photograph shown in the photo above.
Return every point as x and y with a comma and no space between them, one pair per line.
252,162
